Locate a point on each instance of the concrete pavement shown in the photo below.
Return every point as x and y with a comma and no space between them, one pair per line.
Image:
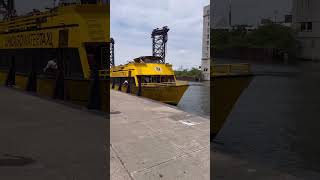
45,140
151,140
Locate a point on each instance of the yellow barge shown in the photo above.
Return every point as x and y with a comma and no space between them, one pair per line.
228,81
75,37
146,76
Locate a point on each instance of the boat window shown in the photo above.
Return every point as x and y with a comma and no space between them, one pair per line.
117,80
157,79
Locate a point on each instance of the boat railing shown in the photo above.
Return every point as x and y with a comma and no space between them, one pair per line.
230,69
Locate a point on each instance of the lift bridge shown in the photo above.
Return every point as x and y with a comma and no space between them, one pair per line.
159,42
112,52
7,8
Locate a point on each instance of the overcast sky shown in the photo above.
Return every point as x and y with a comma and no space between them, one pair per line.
133,21
250,11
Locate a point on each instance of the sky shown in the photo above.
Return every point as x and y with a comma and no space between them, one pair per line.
133,21
250,11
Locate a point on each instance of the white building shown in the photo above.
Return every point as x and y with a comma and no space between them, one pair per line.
306,20
205,62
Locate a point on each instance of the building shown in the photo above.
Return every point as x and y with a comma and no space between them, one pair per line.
205,62
306,20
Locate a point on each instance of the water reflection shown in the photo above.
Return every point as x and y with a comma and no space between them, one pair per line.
196,99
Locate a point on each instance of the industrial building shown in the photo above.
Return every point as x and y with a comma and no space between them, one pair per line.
306,19
205,62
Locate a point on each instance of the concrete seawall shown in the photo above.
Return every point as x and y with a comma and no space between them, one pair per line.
151,140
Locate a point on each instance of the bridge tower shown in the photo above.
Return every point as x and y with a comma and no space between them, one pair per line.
7,8
112,63
159,41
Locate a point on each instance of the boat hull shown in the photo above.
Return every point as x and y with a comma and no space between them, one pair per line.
225,91
166,94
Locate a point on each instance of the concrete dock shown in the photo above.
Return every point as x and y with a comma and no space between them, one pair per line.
44,139
151,140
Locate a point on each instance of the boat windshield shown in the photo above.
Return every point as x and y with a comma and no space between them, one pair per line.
158,79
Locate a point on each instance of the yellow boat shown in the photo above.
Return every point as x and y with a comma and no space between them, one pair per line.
76,35
147,77
228,81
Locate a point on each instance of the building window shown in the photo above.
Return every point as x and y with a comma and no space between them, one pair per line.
306,26
303,27
309,26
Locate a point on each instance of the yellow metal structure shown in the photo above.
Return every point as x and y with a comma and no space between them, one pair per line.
71,33
227,83
157,80
83,24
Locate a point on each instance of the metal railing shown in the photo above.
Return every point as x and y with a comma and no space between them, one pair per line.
230,69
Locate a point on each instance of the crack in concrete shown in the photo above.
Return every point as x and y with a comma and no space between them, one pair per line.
122,163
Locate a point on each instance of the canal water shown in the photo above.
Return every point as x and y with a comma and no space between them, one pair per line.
196,99
276,121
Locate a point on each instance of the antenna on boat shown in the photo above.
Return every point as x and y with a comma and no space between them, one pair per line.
112,52
159,41
7,8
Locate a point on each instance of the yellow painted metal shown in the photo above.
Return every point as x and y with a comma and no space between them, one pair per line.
84,62
141,69
3,78
228,81
21,82
230,69
77,91
165,94
169,92
85,23
45,87
105,96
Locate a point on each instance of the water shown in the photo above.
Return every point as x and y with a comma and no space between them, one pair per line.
196,99
276,121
